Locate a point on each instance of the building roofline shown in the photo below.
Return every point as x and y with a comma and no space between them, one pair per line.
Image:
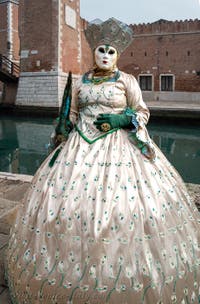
164,26
164,21
165,34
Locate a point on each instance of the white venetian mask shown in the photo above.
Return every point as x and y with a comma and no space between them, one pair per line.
105,57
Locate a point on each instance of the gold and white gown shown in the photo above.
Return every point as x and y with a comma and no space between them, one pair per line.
106,224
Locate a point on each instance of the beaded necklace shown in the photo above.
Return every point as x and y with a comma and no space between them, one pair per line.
99,80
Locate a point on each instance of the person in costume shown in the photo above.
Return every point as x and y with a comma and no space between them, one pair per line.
110,220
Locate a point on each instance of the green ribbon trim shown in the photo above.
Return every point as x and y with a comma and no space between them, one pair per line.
89,141
53,159
99,80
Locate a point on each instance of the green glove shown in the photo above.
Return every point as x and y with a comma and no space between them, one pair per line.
61,134
106,122
62,131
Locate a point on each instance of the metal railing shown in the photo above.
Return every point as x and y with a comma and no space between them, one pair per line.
9,67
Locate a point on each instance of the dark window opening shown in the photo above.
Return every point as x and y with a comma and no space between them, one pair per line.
131,54
188,53
166,83
145,83
145,53
8,45
167,53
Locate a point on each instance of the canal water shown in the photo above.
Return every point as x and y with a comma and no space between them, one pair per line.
23,145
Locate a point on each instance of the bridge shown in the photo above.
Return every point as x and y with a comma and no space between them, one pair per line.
9,75
9,71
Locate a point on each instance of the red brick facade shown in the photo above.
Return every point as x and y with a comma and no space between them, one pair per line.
9,36
166,48
47,41
164,55
37,28
3,28
70,39
16,42
9,46
87,57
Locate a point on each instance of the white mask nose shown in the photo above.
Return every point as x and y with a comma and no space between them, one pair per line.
106,56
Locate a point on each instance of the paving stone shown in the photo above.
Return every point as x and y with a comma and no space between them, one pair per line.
4,297
2,267
2,288
3,243
3,240
6,205
13,190
194,191
8,212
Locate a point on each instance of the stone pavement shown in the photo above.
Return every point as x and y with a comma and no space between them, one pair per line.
174,109
174,105
13,188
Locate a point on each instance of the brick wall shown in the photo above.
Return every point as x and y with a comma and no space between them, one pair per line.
70,37
3,28
16,42
38,25
52,44
165,47
75,52
164,26
42,48
13,49
53,41
87,57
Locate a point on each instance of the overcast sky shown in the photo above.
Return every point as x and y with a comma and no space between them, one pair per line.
141,11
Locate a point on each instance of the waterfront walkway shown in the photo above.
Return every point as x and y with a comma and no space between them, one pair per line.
174,109
13,188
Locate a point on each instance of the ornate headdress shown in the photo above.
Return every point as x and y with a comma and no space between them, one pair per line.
113,32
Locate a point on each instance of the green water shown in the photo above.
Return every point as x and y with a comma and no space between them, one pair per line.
23,145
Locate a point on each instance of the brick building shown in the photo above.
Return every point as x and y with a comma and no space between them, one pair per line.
9,38
164,55
52,43
165,58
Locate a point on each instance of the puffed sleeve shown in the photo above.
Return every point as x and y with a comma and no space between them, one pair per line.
74,102
135,102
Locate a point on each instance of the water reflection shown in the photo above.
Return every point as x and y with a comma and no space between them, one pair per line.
23,145
8,146
181,146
